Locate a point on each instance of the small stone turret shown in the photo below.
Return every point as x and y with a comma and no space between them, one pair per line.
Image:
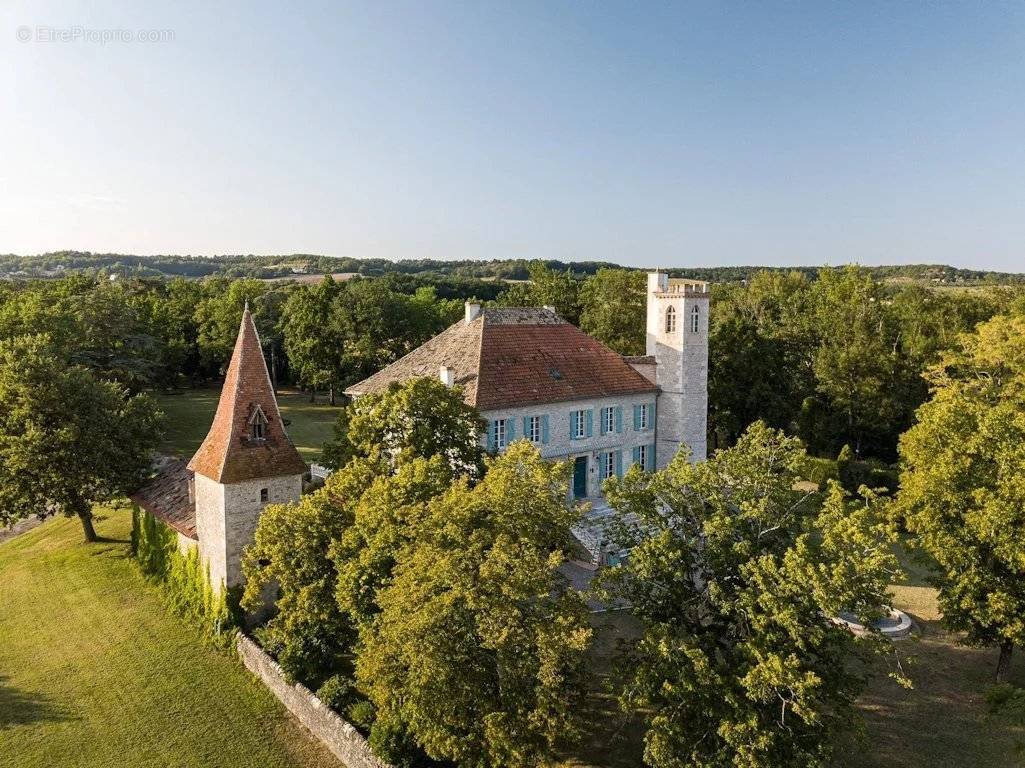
677,337
246,461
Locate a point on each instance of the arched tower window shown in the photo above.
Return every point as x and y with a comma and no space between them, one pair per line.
671,320
258,425
695,319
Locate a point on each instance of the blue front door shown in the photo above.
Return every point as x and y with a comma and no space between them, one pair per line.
580,477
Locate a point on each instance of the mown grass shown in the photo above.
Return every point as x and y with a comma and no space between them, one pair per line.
189,413
94,671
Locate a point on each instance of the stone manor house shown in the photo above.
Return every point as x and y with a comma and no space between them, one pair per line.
529,373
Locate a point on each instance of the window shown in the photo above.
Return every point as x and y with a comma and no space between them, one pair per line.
534,429
642,456
671,320
258,425
264,495
500,434
643,416
608,465
695,319
578,424
608,421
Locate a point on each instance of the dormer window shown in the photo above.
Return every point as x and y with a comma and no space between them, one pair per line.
671,320
258,425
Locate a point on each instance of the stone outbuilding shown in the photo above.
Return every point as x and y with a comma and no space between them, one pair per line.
246,462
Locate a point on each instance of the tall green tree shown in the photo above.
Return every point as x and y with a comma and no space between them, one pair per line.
419,418
962,484
313,342
478,611
310,635
547,287
67,439
734,576
614,306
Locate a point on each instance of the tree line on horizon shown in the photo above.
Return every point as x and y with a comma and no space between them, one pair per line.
284,266
836,360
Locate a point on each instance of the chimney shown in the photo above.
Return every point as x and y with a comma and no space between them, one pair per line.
447,376
472,311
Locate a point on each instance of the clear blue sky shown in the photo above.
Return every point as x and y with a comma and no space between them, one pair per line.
642,133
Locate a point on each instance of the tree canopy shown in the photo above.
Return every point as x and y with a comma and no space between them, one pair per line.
734,575
963,484
67,439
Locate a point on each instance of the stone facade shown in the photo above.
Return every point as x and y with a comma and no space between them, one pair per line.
680,349
226,519
562,446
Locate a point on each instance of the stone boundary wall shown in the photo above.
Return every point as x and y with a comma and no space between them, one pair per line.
344,741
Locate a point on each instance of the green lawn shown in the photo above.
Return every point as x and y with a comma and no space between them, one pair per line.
94,671
942,722
189,413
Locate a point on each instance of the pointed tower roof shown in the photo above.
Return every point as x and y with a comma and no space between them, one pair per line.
247,439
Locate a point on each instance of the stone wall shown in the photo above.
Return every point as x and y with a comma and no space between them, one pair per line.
344,741
562,446
226,518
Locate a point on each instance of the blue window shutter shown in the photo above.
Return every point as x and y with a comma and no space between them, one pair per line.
510,430
619,463
492,436
635,454
544,429
526,427
573,424
651,457
601,420
619,418
637,418
651,416
589,427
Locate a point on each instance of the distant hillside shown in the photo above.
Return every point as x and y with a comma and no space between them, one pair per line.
301,266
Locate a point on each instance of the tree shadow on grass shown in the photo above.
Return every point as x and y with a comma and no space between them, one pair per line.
18,707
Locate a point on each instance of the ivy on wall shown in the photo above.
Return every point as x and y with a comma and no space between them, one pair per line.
186,582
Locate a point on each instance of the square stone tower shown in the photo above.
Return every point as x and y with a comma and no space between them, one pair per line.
677,337
246,462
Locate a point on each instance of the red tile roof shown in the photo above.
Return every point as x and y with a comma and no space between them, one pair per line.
167,498
231,453
517,357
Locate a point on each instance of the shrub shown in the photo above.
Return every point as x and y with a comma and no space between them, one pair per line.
1007,701
391,741
361,714
336,692
818,471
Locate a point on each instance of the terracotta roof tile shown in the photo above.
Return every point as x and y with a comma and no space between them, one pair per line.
230,453
517,357
167,498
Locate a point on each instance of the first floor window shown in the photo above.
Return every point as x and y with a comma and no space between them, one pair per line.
608,421
534,429
579,426
500,434
642,456
643,417
264,495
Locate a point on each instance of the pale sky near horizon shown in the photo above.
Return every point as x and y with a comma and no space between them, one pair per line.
669,134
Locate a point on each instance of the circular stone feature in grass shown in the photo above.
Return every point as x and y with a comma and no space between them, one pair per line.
894,624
